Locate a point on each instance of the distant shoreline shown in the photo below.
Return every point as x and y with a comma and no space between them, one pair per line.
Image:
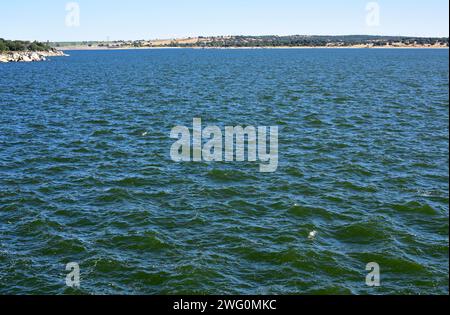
86,48
262,42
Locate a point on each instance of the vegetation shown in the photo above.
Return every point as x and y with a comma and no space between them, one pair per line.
310,41
267,41
18,45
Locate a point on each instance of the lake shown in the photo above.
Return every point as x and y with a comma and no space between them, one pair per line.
86,174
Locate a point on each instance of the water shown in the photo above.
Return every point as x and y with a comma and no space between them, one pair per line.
86,175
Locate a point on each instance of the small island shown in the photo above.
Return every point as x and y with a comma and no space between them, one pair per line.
25,51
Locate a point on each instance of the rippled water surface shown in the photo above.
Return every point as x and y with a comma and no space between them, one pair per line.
86,175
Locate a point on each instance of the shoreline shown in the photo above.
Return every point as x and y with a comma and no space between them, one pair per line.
85,48
29,56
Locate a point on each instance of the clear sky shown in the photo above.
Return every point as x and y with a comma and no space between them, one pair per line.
149,19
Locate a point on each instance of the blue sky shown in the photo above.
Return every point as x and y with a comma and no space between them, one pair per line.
149,19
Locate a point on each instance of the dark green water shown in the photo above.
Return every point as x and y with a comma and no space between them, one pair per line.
86,176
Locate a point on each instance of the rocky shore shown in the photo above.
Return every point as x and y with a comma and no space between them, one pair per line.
29,56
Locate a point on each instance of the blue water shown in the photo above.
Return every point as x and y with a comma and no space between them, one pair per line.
86,175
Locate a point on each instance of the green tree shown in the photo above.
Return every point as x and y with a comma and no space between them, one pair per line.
3,46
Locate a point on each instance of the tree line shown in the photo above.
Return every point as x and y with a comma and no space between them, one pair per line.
313,41
19,45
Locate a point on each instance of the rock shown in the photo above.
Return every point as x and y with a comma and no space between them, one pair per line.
29,56
26,58
35,57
